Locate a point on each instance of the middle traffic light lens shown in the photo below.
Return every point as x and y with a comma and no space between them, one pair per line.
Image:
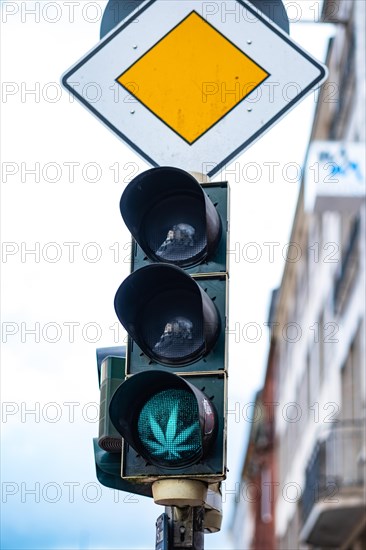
171,326
174,230
168,428
168,314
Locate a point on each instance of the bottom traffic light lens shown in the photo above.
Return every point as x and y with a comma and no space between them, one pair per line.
169,429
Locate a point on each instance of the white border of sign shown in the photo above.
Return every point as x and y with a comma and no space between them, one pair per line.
293,75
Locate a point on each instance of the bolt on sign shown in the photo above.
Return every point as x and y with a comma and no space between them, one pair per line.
184,85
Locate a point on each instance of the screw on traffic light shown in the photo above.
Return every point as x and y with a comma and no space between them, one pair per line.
171,407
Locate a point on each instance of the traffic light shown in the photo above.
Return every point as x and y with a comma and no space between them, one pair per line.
171,407
173,425
108,446
175,319
111,373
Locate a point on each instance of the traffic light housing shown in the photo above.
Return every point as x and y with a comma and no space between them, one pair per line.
171,425
157,203
111,373
171,408
174,320
108,445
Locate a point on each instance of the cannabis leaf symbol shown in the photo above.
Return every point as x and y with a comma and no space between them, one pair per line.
170,443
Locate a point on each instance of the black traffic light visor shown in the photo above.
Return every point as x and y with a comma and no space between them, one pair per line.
167,314
171,217
150,411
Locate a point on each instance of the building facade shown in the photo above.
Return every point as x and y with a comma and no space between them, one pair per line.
316,365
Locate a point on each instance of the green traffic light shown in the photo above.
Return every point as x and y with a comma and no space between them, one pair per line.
170,424
169,429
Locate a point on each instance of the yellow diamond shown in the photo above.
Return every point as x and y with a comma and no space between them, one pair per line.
192,77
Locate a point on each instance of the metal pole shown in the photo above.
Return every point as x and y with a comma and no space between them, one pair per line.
180,529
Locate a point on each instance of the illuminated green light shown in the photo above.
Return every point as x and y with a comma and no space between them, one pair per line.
168,427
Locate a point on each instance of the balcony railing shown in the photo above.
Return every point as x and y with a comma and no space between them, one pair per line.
334,483
337,463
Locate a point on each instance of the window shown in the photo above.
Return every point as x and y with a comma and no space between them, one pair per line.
314,248
266,495
349,264
351,381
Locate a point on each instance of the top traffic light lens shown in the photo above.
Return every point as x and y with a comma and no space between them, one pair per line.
173,232
171,217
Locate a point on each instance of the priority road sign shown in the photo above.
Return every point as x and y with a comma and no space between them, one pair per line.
193,83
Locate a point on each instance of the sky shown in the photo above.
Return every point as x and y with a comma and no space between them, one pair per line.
64,254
